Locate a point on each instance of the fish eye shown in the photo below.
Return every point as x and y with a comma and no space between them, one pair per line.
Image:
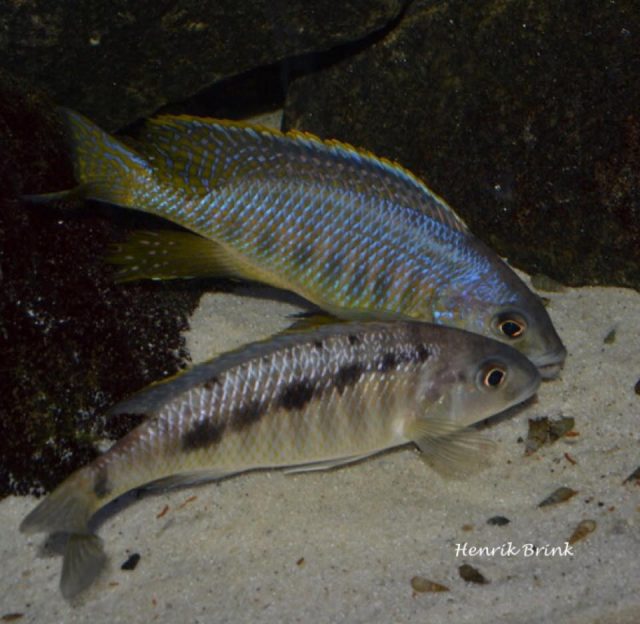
511,325
492,376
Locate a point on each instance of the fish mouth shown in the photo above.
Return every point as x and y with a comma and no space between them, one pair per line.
550,364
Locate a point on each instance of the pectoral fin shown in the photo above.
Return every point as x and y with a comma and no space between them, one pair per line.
449,449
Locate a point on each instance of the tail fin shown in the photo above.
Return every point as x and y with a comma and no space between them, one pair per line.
67,510
105,168
84,558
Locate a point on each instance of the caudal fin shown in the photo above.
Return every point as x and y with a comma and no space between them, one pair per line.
84,558
105,169
67,510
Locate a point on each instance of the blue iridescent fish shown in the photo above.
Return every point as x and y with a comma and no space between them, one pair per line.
355,234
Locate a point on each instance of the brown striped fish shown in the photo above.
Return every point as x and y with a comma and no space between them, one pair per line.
304,401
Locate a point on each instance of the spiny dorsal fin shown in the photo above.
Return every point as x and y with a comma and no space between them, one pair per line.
204,154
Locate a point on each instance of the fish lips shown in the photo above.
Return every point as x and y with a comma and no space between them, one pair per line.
550,364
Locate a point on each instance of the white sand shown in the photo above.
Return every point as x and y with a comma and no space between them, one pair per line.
342,546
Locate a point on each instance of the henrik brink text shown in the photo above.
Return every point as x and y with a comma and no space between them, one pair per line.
508,549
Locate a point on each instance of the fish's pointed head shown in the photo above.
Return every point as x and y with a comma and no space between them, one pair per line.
479,378
526,326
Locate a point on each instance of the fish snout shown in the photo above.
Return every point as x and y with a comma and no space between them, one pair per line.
550,364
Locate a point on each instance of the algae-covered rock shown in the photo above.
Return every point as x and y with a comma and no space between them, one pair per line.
72,342
522,115
119,60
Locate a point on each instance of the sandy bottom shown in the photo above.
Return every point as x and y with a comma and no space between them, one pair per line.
343,546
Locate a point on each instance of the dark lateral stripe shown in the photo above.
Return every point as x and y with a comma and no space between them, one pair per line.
393,360
203,434
348,376
423,353
389,362
247,414
296,395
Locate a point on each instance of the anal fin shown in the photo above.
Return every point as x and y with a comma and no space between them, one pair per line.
327,464
185,480
170,254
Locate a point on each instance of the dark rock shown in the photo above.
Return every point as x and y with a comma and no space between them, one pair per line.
72,341
120,60
498,521
471,574
131,563
523,116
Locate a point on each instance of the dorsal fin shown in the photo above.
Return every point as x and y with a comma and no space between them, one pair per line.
204,154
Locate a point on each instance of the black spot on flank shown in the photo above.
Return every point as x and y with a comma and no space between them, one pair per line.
388,362
423,353
353,339
247,414
348,376
318,344
203,434
101,487
211,384
296,395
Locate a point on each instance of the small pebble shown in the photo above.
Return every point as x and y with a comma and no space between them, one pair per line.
610,338
637,387
561,495
634,476
422,585
498,520
582,530
131,562
471,574
11,617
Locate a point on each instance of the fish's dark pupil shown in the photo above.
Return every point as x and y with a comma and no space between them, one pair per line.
494,377
513,329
